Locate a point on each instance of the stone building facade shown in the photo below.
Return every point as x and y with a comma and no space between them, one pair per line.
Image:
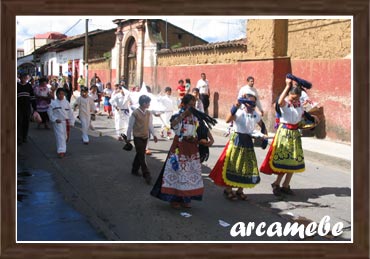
137,43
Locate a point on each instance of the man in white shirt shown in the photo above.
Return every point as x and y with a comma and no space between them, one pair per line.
249,88
204,92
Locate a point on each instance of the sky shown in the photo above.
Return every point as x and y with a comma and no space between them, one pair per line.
211,28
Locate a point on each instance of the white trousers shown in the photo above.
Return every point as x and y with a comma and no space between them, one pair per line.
85,124
60,131
120,121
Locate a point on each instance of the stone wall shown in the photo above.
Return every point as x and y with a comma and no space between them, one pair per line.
319,38
210,56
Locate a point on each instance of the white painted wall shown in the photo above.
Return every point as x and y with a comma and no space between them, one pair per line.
57,59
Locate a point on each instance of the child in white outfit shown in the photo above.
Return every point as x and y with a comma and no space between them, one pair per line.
121,102
86,108
169,103
61,115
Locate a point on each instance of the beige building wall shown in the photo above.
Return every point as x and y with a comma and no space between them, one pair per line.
211,56
319,38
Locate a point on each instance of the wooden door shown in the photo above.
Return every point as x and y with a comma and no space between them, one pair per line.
131,63
132,71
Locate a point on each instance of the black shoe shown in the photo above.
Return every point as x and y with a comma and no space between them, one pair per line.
135,173
276,190
148,179
286,190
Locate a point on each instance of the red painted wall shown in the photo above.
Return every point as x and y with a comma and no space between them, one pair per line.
105,75
225,81
331,81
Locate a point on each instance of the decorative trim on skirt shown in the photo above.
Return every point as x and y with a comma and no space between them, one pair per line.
237,165
285,154
180,179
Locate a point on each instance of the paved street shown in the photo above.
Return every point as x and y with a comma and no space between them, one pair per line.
95,180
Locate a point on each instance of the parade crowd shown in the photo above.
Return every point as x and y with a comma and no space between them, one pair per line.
186,121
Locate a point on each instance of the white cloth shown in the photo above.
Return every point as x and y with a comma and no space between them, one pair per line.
100,86
95,97
61,110
120,106
86,107
252,91
203,86
169,104
291,114
108,92
246,122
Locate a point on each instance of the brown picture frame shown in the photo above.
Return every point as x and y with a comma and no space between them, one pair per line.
359,9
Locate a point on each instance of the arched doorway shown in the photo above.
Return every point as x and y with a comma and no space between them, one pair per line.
130,67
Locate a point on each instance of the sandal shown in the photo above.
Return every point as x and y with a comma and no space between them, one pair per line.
276,190
230,195
241,196
175,205
186,205
287,190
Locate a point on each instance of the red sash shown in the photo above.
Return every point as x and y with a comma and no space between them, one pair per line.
290,126
68,129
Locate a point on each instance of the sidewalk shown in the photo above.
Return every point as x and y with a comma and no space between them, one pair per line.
323,147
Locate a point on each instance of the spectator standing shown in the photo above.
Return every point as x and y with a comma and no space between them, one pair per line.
107,93
249,87
203,86
187,85
81,81
67,87
25,98
180,90
198,103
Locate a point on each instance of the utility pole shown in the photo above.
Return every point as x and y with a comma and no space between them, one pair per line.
34,55
86,54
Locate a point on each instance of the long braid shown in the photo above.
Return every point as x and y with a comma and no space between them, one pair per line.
203,117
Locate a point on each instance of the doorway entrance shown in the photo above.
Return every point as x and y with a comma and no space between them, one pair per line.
130,68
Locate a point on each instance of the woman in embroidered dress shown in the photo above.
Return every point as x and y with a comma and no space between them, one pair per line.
181,178
237,165
285,155
43,99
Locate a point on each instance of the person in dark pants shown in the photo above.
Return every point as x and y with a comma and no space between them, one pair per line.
67,87
141,125
203,86
25,98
